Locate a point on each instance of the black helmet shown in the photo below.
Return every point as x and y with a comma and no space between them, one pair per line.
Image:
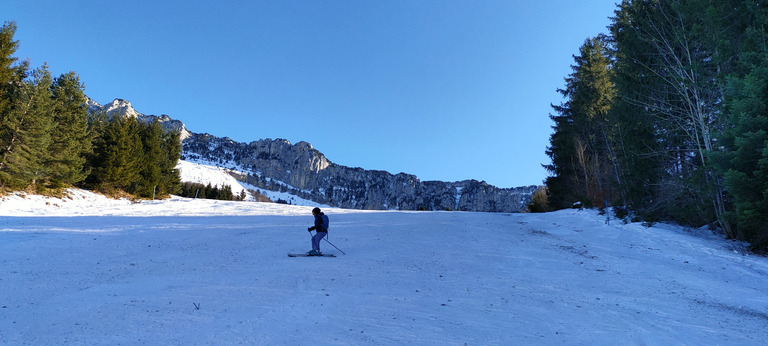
316,211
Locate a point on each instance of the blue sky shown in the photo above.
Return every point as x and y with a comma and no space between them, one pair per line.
446,90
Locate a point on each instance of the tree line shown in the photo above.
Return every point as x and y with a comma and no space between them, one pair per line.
666,118
49,140
197,190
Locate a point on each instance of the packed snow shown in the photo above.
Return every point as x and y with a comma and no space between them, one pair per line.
86,269
90,270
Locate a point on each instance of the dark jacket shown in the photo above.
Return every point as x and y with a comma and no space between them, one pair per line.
318,224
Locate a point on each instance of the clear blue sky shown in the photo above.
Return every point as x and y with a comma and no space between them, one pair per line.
446,90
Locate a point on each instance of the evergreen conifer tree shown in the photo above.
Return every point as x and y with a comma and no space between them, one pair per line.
582,161
170,178
150,173
27,130
669,64
117,155
70,142
744,161
97,124
11,71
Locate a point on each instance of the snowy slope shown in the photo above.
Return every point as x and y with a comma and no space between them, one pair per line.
192,172
207,173
89,270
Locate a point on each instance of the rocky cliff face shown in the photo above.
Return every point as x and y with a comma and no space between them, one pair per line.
303,171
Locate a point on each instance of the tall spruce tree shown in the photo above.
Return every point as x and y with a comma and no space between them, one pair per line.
70,142
170,181
742,38
637,147
580,147
27,130
150,173
12,75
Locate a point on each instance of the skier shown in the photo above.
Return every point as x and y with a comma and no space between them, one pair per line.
321,227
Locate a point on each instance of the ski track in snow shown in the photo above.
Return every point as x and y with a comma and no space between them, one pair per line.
90,270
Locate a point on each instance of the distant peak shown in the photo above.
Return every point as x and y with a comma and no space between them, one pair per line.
121,106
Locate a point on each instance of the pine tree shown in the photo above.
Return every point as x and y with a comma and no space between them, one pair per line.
152,158
211,192
742,37
747,174
27,130
170,182
638,150
160,155
12,75
117,155
97,124
582,161
11,72
70,141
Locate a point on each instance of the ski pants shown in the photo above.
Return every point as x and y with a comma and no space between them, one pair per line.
316,240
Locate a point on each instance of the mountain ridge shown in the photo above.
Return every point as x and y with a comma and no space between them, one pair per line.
302,170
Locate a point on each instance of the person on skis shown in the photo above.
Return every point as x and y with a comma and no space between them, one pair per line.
321,228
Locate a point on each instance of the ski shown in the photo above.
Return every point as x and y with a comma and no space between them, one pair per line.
305,255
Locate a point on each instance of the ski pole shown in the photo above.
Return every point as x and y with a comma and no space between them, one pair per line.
334,246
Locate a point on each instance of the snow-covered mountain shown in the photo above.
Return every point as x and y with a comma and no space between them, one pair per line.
119,106
301,174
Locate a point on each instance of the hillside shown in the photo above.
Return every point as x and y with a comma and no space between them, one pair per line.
195,172
87,269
